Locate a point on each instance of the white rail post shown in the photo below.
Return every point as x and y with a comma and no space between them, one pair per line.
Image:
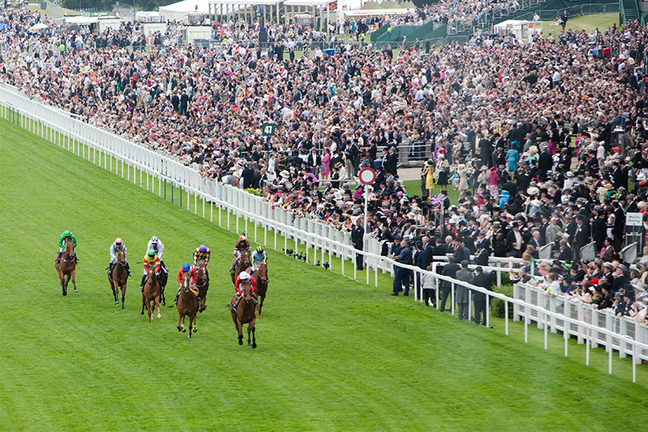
452,298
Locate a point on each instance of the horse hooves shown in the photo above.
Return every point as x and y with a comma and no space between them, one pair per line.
195,329
159,315
240,342
254,345
116,303
163,303
64,293
179,329
76,290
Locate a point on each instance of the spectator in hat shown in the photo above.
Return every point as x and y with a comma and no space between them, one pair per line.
449,270
402,275
461,291
481,279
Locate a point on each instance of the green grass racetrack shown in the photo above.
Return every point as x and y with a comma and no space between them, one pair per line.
333,355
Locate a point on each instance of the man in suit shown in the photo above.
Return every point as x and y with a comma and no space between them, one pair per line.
483,280
420,261
598,228
483,252
357,238
461,292
402,275
582,235
619,222
391,161
449,270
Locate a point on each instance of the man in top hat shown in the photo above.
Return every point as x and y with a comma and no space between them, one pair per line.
598,227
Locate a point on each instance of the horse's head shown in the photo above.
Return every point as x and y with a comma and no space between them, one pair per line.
245,259
150,273
262,271
69,247
201,273
186,277
246,287
121,256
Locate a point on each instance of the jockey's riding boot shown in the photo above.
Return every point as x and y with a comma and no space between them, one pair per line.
128,268
142,284
76,259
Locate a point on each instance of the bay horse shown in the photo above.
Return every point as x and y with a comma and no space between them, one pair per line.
187,306
244,312
242,263
202,283
261,280
151,293
119,277
66,267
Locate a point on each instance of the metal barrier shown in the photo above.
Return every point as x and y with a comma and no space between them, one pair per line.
583,313
316,241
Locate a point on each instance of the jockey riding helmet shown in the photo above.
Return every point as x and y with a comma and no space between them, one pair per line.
244,276
118,241
154,239
241,238
186,267
151,253
260,249
67,233
202,248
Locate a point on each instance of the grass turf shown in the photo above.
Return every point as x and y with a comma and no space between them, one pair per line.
333,354
588,23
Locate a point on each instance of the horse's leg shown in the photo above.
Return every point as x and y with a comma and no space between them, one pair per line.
191,319
62,282
157,304
203,300
239,329
123,290
72,274
149,308
261,303
143,302
195,327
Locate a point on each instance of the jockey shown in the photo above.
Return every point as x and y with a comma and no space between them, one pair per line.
66,235
241,244
202,253
149,259
156,245
117,245
241,277
186,268
258,257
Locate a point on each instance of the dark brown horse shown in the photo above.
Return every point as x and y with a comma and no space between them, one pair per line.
187,305
66,266
119,277
244,312
164,276
261,280
202,283
151,293
242,263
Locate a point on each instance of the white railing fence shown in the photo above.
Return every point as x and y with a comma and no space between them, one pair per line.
315,241
563,307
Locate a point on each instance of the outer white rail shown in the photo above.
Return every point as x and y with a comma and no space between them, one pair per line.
321,241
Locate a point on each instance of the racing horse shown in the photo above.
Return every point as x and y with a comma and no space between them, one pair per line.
119,277
164,276
261,281
242,263
66,266
151,293
202,283
244,312
187,305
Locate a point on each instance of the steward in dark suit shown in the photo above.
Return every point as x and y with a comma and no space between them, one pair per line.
449,270
483,280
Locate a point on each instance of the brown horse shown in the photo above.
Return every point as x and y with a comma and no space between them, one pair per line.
66,266
261,280
164,276
187,306
202,283
244,312
242,263
151,294
119,277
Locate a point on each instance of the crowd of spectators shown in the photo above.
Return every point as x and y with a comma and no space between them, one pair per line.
546,141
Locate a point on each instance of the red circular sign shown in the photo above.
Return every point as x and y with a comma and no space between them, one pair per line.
367,176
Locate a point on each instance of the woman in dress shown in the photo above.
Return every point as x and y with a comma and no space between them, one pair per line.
442,167
429,176
493,181
326,168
